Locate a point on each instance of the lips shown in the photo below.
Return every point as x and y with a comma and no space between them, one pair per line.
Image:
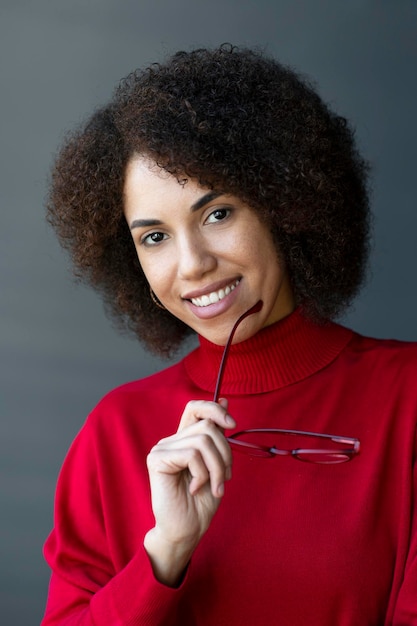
214,296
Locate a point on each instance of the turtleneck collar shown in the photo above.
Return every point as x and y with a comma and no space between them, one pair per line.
277,356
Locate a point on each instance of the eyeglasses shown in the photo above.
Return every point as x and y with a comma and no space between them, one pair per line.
270,442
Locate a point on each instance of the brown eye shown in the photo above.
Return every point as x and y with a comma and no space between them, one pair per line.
218,215
153,239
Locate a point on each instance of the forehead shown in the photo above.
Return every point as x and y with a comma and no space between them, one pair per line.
147,187
143,172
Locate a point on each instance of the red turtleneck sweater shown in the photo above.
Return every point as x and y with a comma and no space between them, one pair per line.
292,543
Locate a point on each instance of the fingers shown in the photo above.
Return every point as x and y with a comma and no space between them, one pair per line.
200,448
205,456
197,410
203,467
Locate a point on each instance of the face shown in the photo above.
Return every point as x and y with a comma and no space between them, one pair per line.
206,254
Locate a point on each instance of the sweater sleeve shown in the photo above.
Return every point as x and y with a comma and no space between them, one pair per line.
86,587
405,613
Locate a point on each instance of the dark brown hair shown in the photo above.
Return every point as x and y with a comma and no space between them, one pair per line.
232,119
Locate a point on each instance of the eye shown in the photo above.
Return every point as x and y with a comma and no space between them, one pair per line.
218,215
153,239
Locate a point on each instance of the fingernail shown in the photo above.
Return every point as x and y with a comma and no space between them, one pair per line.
230,421
224,402
220,490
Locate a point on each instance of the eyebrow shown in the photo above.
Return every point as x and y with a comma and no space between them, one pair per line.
196,206
144,223
208,197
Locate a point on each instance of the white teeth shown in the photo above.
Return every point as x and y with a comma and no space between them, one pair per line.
214,296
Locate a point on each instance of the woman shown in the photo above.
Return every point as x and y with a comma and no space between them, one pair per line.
216,194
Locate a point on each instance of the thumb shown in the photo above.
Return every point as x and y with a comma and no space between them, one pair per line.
224,403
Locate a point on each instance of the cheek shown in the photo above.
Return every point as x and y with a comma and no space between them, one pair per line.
273,268
264,253
156,270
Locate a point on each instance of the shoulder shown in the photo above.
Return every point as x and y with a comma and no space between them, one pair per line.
390,358
128,421
384,348
142,407
167,379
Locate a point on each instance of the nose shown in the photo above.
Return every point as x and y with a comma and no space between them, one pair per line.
195,258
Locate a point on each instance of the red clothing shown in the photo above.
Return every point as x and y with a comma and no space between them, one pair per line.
292,543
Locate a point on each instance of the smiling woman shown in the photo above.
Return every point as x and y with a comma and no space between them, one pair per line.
217,194
230,120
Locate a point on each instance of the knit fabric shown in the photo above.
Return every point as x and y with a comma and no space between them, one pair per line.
292,543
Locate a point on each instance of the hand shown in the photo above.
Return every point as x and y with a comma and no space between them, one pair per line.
187,472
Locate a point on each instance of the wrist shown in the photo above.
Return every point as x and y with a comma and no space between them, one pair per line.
169,559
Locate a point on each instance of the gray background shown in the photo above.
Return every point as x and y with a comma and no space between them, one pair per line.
59,354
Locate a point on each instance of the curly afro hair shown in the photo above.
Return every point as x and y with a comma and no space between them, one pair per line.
232,119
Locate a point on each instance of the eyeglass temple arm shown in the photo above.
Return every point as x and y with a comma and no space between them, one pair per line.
254,309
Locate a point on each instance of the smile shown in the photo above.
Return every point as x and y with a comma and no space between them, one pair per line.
214,296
